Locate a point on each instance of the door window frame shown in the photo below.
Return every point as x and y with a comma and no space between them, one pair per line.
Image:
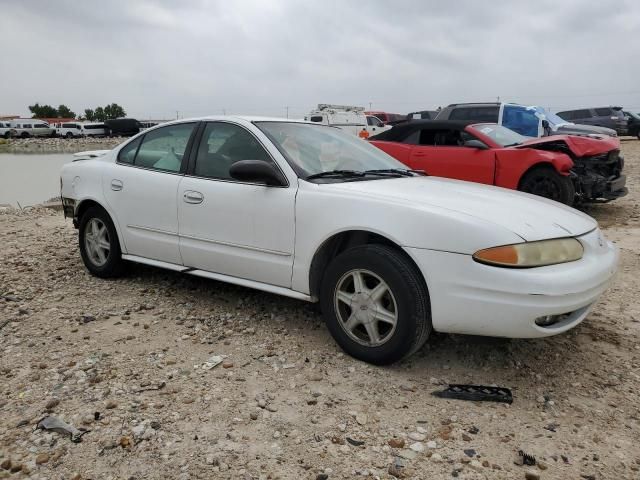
191,164
185,157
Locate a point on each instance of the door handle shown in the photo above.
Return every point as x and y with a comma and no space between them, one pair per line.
116,185
419,154
191,196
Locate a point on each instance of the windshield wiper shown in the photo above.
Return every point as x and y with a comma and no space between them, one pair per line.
396,171
336,173
512,145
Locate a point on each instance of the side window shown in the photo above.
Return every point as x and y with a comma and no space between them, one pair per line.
581,114
460,114
413,138
603,112
163,149
445,138
224,144
566,115
128,152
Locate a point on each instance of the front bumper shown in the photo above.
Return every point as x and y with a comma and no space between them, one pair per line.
471,298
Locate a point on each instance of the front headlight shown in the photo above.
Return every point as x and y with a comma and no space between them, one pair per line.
532,254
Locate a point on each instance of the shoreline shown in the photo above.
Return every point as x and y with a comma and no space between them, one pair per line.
59,145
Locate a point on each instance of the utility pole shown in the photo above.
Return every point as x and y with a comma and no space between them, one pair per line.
177,114
287,111
369,106
224,111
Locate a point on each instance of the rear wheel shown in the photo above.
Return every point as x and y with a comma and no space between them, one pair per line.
24,134
68,135
7,134
99,245
546,182
376,304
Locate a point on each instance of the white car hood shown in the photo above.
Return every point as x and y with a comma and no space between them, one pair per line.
530,217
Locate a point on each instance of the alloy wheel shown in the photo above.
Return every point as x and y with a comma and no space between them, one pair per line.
96,242
366,307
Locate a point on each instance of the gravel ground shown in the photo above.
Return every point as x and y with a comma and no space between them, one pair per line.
124,359
57,144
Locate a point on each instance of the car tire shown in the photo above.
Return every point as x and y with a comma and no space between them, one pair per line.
7,135
24,135
402,300
546,182
99,245
68,135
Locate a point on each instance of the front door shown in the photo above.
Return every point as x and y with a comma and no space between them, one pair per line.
239,229
142,187
441,153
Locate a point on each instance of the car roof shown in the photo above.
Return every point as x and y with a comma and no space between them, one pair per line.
401,131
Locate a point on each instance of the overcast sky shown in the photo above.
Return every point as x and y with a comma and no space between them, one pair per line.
257,56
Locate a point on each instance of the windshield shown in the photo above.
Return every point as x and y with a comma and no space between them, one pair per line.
499,134
632,114
313,149
552,118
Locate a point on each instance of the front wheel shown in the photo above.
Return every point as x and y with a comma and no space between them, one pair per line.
69,135
376,304
7,135
547,183
99,245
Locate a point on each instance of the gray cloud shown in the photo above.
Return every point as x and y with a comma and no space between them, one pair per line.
256,57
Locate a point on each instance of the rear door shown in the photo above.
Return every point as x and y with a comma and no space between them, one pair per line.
441,153
141,188
241,229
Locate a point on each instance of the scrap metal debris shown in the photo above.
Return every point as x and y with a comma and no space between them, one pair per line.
213,361
525,459
476,393
355,443
56,425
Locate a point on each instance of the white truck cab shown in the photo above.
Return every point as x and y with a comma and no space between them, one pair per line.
346,117
69,130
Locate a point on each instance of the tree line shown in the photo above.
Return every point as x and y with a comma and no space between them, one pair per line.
98,114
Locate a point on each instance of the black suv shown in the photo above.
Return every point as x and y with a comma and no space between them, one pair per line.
528,120
610,117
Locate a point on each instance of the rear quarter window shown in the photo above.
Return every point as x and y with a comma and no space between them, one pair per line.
603,112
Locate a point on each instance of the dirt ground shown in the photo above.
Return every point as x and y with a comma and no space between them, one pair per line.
124,359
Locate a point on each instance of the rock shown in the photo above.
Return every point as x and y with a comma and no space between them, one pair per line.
42,458
396,442
432,444
470,452
51,404
417,447
436,457
322,476
531,476
418,437
6,464
253,415
110,404
466,438
475,465
541,465
227,364
361,418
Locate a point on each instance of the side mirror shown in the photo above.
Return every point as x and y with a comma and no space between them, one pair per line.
475,144
257,171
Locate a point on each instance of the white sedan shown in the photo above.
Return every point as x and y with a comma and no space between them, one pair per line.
310,212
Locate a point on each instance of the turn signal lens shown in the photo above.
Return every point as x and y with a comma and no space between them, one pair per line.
532,254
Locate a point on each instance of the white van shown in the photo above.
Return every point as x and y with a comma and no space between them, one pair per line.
346,117
93,129
6,131
31,127
68,130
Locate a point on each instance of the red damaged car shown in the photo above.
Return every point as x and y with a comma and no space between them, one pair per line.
565,168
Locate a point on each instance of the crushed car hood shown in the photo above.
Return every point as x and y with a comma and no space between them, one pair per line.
530,217
579,146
